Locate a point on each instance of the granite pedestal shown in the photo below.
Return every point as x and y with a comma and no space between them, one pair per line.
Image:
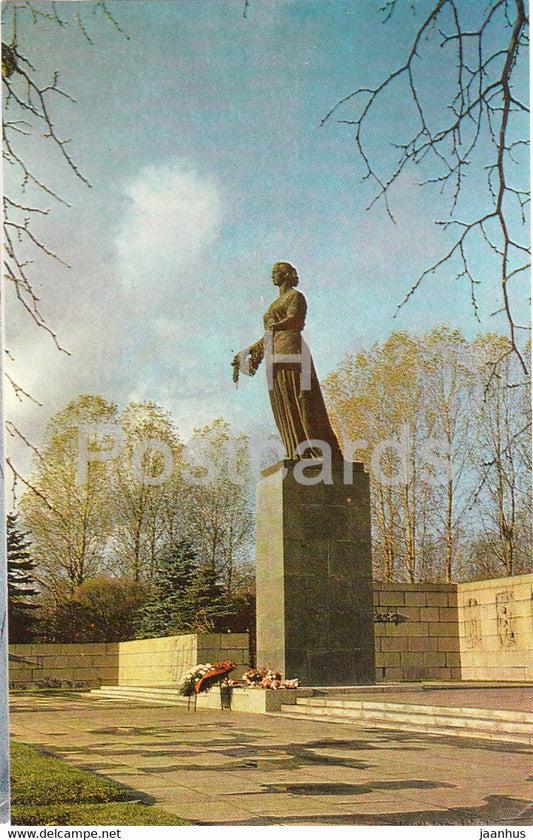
314,574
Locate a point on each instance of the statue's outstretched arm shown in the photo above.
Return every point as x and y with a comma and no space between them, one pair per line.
248,360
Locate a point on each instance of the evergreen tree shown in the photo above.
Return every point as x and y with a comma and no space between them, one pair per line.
168,608
20,583
208,601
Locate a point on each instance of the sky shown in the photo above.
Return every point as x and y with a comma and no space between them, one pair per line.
200,133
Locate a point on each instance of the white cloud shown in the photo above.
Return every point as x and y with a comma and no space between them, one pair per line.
174,217
131,327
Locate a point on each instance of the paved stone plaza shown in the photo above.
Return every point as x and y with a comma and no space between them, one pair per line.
230,768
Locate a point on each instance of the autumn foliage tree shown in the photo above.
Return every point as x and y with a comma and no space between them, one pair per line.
115,498
144,477
219,515
103,609
503,462
68,514
448,454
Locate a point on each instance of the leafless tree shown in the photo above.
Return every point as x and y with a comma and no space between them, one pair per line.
29,107
483,124
465,447
70,521
502,462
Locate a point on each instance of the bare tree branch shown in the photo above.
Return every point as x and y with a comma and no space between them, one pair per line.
29,112
20,392
15,432
27,484
482,110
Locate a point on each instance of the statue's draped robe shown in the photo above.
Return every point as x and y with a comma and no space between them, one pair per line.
300,413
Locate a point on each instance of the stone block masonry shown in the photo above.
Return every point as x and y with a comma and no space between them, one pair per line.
496,628
419,640
472,631
485,632
75,665
314,576
146,662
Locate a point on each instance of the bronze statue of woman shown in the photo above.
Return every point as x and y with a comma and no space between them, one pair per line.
295,396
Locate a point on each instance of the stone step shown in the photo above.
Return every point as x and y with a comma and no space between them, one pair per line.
154,695
436,715
491,724
403,726
468,722
395,687
475,712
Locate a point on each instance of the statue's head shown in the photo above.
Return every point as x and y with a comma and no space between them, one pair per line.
284,272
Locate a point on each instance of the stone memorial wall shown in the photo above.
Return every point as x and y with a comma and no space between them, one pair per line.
152,662
48,665
163,661
496,629
416,631
471,631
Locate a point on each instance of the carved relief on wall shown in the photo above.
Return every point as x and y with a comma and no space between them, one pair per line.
182,660
505,618
472,623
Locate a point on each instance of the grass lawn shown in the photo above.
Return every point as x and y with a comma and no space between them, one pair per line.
47,791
